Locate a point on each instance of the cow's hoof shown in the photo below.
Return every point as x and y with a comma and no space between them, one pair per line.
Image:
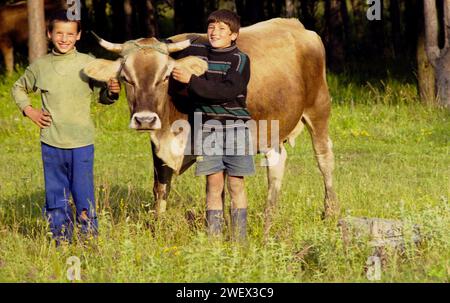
161,207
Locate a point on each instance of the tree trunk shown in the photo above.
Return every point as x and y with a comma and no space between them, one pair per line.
439,58
425,74
290,8
377,32
334,35
345,21
128,11
394,12
37,41
147,18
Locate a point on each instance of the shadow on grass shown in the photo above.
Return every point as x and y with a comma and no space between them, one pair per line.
120,203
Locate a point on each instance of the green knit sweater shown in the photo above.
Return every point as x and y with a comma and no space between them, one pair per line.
66,94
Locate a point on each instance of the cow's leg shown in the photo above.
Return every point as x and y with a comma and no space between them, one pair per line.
317,123
162,175
6,47
276,161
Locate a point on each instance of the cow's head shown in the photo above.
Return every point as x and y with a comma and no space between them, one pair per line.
145,67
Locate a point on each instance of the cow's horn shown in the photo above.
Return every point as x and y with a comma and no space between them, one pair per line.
112,47
177,46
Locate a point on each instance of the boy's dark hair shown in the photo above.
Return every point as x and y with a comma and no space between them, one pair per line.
60,15
226,16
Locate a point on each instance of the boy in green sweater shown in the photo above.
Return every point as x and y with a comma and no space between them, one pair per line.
67,131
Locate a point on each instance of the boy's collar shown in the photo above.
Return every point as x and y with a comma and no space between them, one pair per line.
230,48
71,52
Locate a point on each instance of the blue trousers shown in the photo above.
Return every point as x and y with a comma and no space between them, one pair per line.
69,172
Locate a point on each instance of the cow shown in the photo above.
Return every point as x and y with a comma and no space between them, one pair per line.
14,28
287,84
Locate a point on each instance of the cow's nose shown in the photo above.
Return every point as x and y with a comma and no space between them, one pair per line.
145,120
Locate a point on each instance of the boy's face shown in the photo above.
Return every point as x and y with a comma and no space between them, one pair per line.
220,35
64,36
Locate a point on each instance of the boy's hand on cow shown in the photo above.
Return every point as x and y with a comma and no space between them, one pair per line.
113,86
41,118
181,75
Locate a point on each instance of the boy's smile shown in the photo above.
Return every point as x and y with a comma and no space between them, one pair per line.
64,36
220,35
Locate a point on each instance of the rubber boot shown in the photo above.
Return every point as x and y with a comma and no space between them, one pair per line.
239,224
214,220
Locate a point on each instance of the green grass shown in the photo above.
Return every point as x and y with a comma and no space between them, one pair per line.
392,161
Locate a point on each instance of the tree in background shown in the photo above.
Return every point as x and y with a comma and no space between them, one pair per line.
426,81
396,41
37,41
334,35
439,57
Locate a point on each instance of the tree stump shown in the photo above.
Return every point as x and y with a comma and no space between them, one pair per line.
382,234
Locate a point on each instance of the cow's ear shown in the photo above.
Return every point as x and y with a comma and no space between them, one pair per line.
102,70
195,65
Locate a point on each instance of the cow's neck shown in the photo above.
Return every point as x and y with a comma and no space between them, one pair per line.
170,145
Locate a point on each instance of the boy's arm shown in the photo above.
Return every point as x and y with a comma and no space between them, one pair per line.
217,92
25,85
19,92
108,93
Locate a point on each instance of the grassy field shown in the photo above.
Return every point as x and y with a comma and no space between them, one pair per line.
392,161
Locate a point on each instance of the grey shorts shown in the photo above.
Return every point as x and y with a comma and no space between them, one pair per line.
233,165
225,151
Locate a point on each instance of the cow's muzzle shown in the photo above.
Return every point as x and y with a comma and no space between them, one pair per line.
145,121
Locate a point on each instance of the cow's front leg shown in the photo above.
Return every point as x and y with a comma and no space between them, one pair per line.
275,161
162,178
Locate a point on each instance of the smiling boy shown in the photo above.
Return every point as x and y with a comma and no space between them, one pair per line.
220,97
66,128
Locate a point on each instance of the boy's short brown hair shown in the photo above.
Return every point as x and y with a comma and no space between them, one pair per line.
226,16
60,15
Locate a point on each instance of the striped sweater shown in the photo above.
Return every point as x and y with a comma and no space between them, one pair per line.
220,93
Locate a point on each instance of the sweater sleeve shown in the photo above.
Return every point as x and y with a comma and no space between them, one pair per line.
101,89
25,85
217,92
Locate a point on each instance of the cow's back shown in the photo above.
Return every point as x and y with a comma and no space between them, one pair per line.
14,22
288,65
287,70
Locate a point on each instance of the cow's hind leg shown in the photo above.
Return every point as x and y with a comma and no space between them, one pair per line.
318,128
7,50
275,161
162,175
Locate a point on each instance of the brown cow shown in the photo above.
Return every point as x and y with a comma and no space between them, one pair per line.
287,84
14,28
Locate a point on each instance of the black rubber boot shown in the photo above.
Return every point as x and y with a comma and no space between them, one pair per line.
239,224
214,220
